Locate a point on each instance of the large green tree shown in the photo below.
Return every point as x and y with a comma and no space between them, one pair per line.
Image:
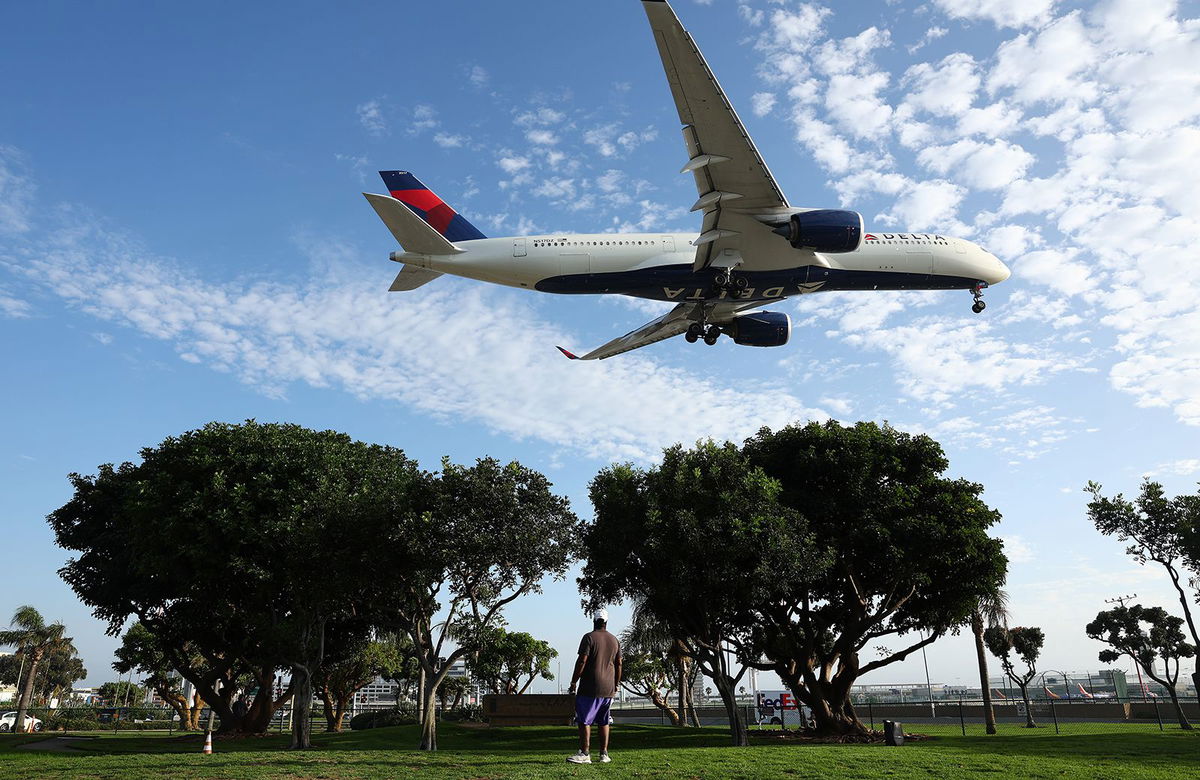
509,661
495,533
1143,634
1160,530
121,694
34,638
905,555
1026,644
702,541
240,544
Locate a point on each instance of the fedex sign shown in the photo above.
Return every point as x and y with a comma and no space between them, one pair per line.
776,700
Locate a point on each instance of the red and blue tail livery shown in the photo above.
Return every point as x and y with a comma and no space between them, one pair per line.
407,189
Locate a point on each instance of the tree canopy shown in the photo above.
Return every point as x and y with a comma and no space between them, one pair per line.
1144,634
214,540
34,638
1026,643
509,661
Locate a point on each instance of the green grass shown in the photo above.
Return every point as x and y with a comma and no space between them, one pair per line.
638,751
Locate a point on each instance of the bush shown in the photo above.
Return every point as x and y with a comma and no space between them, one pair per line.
380,718
72,720
467,713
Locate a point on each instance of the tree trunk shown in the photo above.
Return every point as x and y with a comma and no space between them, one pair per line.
692,717
989,715
340,713
194,712
1183,721
26,697
660,701
302,696
421,697
327,708
179,704
1030,723
737,719
683,691
429,716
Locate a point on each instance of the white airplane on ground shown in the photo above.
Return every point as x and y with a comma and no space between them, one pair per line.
753,248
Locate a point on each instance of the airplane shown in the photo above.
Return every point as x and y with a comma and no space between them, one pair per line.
753,247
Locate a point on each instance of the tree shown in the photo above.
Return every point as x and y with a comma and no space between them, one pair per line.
214,543
350,669
1027,644
1162,530
701,540
495,533
61,667
455,687
121,694
651,639
903,553
649,676
991,610
139,651
1122,629
506,658
34,639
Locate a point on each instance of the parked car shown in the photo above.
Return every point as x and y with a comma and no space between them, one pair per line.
9,719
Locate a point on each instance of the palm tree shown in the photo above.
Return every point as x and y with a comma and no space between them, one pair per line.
647,634
992,610
33,638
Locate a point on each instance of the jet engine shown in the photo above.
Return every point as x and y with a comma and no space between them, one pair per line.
824,230
761,329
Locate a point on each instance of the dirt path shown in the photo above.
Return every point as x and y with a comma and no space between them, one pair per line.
53,744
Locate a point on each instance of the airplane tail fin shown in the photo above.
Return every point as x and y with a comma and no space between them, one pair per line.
407,189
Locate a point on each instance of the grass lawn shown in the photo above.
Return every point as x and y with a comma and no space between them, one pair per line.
638,751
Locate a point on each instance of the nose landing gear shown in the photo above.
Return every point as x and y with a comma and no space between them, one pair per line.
977,292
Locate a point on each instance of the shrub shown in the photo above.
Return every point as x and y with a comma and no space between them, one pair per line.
380,718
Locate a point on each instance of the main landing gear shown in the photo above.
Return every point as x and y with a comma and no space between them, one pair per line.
697,331
977,291
734,286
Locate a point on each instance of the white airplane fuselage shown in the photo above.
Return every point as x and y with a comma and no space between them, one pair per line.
659,266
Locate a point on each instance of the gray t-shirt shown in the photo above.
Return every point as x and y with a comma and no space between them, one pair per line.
599,679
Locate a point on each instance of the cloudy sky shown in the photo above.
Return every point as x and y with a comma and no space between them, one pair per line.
182,239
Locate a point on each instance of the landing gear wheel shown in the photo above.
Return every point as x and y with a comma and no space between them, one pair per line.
741,282
977,292
721,280
711,335
978,306
692,338
694,331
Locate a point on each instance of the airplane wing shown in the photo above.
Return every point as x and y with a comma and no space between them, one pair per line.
673,323
735,186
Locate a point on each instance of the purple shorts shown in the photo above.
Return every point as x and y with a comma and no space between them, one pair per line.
591,711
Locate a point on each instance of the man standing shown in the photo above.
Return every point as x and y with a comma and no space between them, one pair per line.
597,675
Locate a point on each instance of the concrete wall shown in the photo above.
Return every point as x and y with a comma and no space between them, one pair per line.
529,709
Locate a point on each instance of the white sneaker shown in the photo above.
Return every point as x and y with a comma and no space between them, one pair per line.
580,758
604,759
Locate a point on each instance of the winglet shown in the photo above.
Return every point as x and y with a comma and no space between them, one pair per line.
568,354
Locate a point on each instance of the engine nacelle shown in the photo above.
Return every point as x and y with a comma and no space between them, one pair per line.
824,230
761,329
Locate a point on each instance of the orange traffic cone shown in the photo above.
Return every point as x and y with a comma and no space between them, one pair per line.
208,744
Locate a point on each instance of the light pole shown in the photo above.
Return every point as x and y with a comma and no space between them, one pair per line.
928,686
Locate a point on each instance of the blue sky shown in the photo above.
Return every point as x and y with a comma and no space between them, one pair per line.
182,239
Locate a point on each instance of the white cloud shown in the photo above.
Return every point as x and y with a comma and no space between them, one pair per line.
13,307
945,89
448,141
762,103
987,166
424,118
541,137
926,205
1002,13
16,191
511,163
370,116
1017,549
478,76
